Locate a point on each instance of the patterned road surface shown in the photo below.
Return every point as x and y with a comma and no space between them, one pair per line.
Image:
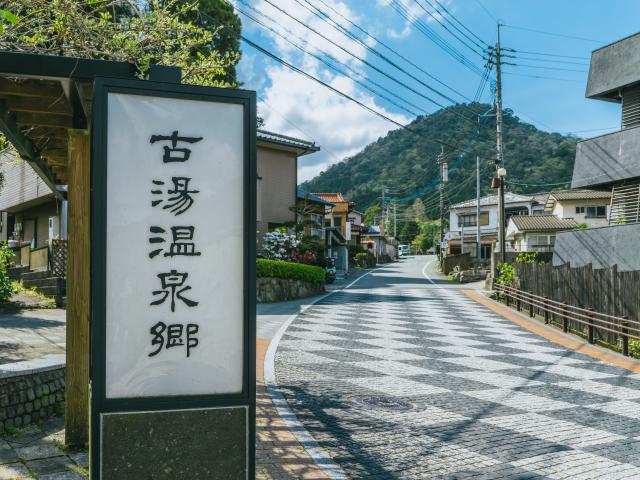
397,377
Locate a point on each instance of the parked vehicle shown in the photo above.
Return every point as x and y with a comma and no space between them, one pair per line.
404,250
330,270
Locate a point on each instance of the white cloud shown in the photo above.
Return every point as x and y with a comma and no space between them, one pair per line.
294,105
340,127
414,12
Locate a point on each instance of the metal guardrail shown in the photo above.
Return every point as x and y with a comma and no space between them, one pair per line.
558,311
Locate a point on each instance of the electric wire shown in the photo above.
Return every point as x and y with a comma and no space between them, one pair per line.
544,54
392,50
443,25
486,10
561,35
342,72
451,15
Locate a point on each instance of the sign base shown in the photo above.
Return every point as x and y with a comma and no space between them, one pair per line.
175,444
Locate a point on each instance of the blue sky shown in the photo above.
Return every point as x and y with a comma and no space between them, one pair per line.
294,105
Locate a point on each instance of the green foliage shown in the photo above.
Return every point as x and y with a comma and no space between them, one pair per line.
289,270
372,215
165,32
528,257
409,231
365,260
506,275
532,155
428,236
634,348
6,286
582,226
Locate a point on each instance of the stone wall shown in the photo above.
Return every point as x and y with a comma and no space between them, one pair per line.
269,289
30,396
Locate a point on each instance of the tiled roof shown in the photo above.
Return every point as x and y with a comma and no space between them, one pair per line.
330,197
493,200
580,194
271,137
543,222
302,195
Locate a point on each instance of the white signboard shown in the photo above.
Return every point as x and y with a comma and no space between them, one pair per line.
174,247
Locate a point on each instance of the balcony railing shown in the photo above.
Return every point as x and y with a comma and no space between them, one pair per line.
625,205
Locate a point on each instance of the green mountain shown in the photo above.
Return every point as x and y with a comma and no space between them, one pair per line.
405,160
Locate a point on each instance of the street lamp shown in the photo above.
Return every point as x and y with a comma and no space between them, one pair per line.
502,172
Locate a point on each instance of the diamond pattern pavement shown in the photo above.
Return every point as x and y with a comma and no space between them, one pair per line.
483,398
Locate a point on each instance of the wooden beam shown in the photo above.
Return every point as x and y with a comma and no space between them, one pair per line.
30,88
26,149
43,120
49,106
78,290
56,161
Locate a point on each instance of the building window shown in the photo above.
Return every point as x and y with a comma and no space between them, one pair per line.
467,221
337,222
316,218
579,210
470,220
599,211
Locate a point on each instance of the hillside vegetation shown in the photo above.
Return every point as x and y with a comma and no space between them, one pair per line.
405,161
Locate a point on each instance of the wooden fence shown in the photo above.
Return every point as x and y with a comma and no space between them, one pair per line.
606,291
463,261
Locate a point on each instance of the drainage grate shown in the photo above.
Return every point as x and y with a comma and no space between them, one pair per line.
381,402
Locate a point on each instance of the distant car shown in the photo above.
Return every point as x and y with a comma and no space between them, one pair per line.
404,250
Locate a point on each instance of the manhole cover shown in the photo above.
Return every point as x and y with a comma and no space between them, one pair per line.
381,402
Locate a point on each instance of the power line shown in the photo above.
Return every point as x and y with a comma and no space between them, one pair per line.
543,77
451,15
545,54
370,65
337,69
544,68
487,11
395,52
442,24
552,34
548,60
435,37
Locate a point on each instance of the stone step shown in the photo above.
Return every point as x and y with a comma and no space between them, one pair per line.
47,291
38,274
40,282
15,273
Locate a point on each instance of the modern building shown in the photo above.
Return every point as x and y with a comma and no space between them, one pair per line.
462,235
277,187
356,225
610,163
587,207
312,211
536,233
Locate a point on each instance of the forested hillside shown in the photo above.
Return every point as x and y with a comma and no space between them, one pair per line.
405,161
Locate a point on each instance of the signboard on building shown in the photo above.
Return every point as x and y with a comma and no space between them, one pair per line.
173,309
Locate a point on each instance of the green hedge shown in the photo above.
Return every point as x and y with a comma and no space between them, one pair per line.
289,270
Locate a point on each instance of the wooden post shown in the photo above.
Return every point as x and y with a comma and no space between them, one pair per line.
565,320
624,336
546,309
507,298
590,332
519,301
530,304
78,288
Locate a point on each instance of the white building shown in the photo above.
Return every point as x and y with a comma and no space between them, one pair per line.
590,207
536,233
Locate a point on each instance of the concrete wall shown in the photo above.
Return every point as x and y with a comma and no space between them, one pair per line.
608,158
602,247
614,66
277,188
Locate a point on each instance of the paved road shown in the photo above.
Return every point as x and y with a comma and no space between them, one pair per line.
398,377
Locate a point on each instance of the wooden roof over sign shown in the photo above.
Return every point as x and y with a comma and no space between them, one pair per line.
43,96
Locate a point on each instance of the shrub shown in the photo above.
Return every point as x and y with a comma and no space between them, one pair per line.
6,287
506,275
634,348
528,257
289,270
278,245
365,260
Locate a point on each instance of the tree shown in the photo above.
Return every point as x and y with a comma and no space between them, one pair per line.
159,32
418,210
409,231
372,215
219,16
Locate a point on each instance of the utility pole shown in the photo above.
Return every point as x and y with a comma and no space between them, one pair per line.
395,221
478,244
441,166
383,223
499,152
